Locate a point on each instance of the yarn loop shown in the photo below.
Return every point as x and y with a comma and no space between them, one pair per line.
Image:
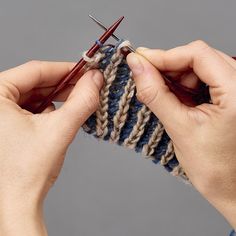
121,118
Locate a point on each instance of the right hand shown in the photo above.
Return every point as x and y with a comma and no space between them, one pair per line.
204,136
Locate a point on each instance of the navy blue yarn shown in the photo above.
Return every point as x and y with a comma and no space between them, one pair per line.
98,42
134,108
115,92
150,127
161,147
173,163
91,123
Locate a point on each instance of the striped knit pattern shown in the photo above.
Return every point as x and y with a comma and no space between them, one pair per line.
121,118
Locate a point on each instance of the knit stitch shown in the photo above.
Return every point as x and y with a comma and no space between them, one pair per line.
121,118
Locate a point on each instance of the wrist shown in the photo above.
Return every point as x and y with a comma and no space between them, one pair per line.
227,209
21,217
229,212
216,183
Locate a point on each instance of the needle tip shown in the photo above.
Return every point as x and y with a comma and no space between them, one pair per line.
120,20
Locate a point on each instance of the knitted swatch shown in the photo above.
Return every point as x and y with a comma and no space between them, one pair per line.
121,118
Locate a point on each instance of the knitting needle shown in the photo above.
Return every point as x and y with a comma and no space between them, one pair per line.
184,89
113,35
78,67
167,78
131,49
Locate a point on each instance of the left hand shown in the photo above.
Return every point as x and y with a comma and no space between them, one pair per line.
33,146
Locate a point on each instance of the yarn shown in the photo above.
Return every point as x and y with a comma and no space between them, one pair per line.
121,118
233,233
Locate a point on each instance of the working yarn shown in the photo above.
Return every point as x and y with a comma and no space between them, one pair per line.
121,118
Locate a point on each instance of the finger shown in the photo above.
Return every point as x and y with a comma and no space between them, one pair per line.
227,58
81,103
152,91
209,66
186,77
183,86
24,78
190,80
159,62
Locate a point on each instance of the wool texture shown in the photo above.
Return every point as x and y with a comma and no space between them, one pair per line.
121,118
233,233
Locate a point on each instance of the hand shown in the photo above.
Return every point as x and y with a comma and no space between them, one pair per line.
204,135
33,146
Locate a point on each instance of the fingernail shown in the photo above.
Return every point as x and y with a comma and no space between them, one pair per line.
142,49
135,64
97,78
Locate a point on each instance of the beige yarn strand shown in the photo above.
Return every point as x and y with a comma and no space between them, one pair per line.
109,77
122,113
138,129
169,154
148,149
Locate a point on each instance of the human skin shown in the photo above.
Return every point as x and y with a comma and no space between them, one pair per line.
203,135
33,146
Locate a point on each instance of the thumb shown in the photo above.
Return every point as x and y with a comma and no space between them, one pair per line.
81,103
153,92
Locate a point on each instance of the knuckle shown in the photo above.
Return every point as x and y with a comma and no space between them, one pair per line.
34,63
37,65
200,50
147,94
9,90
200,46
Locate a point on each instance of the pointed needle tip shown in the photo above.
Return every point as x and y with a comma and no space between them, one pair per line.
122,18
119,21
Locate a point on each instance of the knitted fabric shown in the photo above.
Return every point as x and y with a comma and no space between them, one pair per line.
121,118
233,233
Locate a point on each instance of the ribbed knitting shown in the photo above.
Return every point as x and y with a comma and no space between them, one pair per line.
121,118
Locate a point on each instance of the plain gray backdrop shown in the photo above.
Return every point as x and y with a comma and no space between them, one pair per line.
104,189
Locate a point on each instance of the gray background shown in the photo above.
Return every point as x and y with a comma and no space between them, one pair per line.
104,189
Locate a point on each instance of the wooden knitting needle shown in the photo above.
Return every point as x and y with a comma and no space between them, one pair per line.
203,92
113,35
131,49
78,67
